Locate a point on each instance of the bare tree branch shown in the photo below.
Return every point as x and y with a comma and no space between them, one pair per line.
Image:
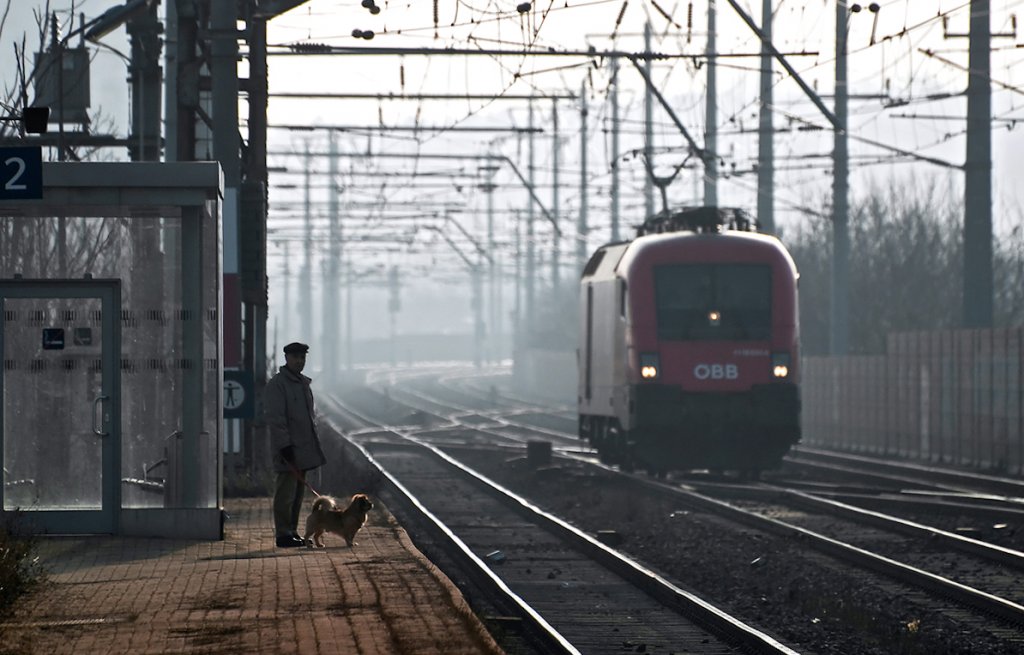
3,19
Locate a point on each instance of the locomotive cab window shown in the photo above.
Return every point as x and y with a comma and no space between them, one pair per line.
593,263
713,301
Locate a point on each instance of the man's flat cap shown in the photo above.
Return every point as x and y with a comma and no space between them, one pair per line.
296,348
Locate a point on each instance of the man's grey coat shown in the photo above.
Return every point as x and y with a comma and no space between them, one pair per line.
288,410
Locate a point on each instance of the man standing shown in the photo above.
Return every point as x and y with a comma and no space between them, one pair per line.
288,406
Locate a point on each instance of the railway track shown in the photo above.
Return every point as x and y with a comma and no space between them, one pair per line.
905,473
569,588
935,589
909,489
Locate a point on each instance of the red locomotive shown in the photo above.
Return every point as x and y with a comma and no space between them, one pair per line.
689,346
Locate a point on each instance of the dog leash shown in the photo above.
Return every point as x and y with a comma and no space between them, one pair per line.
301,478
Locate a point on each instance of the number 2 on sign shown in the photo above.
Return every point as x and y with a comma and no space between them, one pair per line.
12,184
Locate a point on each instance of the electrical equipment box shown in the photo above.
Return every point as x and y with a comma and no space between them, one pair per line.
62,84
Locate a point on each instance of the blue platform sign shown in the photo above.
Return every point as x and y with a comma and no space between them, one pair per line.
239,394
21,173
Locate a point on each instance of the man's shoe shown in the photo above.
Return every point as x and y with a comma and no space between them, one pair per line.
289,541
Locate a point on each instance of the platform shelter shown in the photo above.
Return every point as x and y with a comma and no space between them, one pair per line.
110,337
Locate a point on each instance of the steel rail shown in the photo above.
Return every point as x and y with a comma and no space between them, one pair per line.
482,574
662,590
969,596
962,480
814,502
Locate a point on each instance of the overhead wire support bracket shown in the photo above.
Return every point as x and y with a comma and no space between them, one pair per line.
808,91
816,99
472,266
529,188
668,108
931,53
476,244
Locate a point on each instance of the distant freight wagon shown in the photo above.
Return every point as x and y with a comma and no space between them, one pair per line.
689,346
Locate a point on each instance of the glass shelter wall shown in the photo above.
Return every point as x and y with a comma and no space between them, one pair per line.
154,231
53,459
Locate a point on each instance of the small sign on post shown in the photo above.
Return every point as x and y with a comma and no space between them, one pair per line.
21,173
239,400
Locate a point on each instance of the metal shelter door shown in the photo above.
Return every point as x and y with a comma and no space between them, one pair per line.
60,417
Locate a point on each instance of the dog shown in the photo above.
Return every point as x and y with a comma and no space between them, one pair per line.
326,517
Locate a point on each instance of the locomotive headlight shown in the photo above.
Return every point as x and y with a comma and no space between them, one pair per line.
714,317
649,366
780,365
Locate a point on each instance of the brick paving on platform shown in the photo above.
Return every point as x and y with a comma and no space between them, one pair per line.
115,595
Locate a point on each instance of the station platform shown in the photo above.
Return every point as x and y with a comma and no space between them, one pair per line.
112,594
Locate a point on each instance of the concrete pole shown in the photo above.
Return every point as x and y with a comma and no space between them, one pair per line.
331,320
765,133
517,309
555,207
839,322
286,295
478,312
530,252
305,312
582,228
615,147
978,282
648,126
349,291
500,322
493,317
711,113
393,304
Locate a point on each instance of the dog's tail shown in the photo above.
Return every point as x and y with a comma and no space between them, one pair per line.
323,503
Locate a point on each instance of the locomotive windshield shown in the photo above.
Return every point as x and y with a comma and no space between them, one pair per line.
703,302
